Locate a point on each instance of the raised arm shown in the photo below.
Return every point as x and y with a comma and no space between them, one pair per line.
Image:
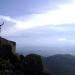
2,24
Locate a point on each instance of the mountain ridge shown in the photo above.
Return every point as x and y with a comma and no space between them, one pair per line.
60,64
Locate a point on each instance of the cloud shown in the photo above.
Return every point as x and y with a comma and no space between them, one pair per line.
64,14
62,39
24,7
8,18
9,24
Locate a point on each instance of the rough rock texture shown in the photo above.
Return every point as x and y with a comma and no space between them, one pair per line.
4,41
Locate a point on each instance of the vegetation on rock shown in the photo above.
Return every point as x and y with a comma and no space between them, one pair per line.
13,64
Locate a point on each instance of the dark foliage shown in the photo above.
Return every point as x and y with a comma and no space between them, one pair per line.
13,64
33,64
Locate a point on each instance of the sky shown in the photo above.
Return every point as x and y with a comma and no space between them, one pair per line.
39,22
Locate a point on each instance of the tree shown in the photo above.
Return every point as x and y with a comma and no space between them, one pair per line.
33,64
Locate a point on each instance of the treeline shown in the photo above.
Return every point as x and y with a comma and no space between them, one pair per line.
14,64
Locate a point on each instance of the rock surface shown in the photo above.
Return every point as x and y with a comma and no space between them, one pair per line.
4,41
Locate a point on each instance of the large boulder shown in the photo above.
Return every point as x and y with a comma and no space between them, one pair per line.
4,43
34,64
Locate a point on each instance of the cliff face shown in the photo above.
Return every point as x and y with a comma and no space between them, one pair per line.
4,41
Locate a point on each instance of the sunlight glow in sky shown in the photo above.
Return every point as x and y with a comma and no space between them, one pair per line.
62,39
64,14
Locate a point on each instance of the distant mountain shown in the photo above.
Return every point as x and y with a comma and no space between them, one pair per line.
60,64
44,50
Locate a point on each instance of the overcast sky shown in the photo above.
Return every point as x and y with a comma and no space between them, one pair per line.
38,22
